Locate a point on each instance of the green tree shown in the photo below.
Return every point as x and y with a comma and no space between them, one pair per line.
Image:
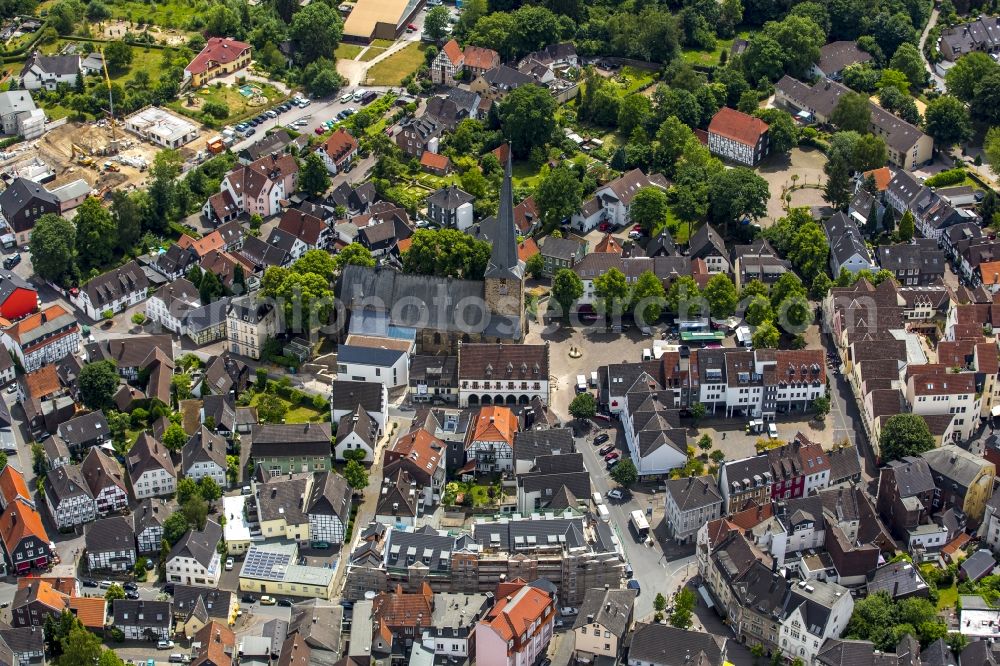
906,227
613,290
649,297
53,249
759,310
660,602
271,408
98,383
535,265
356,475
698,411
354,254
624,473
567,288
118,56
116,591
987,97
314,179
852,113
316,28
800,39
684,604
634,111
174,437
720,292
558,196
80,646
783,132
583,406
186,489
127,214
210,289
736,194
195,512
705,442
891,78
904,435
446,253
821,406
181,384
766,336
527,118
907,60
991,149
684,297
436,22
174,528
209,489
967,72
947,120
649,208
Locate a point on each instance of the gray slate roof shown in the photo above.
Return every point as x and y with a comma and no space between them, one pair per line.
694,493
114,533
668,646
612,609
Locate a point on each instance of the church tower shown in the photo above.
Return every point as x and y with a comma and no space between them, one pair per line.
504,279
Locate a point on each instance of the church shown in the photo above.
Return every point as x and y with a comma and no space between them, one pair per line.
437,312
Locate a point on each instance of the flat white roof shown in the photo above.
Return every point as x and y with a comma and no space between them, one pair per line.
159,122
235,529
980,623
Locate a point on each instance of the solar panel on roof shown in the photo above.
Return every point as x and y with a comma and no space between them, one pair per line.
266,564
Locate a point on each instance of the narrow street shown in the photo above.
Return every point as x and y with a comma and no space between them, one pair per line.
931,22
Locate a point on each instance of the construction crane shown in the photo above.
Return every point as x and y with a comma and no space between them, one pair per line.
111,102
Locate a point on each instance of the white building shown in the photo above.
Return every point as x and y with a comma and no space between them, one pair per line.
68,497
42,338
374,364
373,397
502,374
945,393
338,151
170,303
329,508
653,436
815,612
204,455
250,323
114,291
195,559
611,202
162,128
19,117
49,71
151,471
738,137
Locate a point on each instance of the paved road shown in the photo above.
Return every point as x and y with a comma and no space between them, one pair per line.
931,22
847,420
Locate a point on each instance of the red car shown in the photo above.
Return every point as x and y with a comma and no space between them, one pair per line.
320,129
611,456
638,228
412,26
604,227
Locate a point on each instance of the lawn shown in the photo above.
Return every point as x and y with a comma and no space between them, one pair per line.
395,68
525,175
239,107
382,43
947,597
166,14
347,51
148,60
371,54
298,413
632,79
708,58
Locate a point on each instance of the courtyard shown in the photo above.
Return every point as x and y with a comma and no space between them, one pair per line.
802,168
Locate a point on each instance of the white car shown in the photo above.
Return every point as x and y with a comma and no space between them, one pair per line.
346,97
615,494
164,645
229,564
568,610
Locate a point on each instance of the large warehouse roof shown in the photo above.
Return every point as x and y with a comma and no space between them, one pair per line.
367,13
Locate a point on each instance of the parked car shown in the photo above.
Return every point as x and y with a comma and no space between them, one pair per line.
130,586
568,610
613,463
12,260
88,582
131,594
267,600
250,132
346,97
248,598
229,564
615,494
150,565
105,584
612,456
320,129
605,450
633,584
604,227
164,645
168,588
603,437
287,603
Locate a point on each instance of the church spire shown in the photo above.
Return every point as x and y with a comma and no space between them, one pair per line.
504,263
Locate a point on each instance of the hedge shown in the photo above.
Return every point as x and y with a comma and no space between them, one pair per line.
946,178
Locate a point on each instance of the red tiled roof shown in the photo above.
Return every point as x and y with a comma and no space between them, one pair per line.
453,51
527,248
737,126
882,177
203,245
502,152
12,485
477,57
434,161
32,322
987,358
220,50
90,610
65,585
514,613
608,244
339,145
19,521
494,424
42,382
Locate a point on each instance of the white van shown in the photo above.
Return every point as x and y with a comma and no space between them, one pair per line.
581,384
647,354
358,94
743,337
603,513
772,430
598,500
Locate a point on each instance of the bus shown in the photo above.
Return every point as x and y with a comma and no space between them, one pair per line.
640,524
706,336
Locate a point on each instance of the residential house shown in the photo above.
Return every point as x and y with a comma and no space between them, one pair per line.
979,34
439,165
611,202
848,250
519,627
217,646
279,507
386,237
490,439
84,432
554,483
56,451
602,624
151,471
451,207
307,228
114,291
148,519
22,203
328,508
220,56
962,480
346,395
337,151
356,432
169,305
398,502
249,325
908,146
417,135
143,620
478,60
424,457
448,64
110,544
653,436
837,56
918,263
195,560
789,471
905,494
433,378
287,448
196,607
105,481
19,116
255,188
758,261
900,580
690,503
663,645
41,71
204,455
25,542
41,338
813,612
452,107
559,253
707,244
68,497
937,390
34,601
738,137
494,84
274,143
